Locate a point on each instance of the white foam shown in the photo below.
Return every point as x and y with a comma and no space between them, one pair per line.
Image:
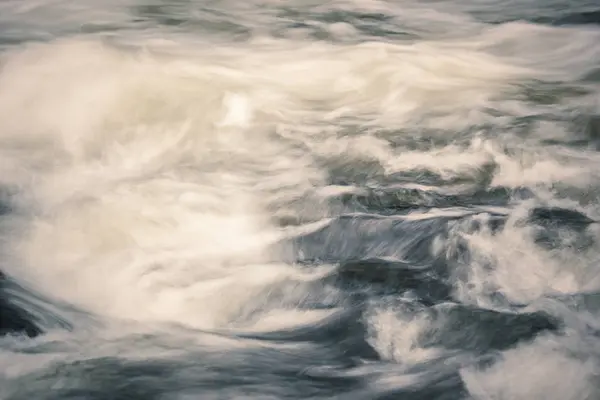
509,262
149,174
148,170
396,334
535,371
152,173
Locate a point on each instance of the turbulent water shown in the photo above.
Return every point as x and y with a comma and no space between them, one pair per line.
271,199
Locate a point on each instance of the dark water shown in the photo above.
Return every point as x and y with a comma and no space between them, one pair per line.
289,200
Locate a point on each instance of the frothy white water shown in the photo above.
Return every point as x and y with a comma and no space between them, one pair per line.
140,193
151,173
520,375
396,335
524,272
148,174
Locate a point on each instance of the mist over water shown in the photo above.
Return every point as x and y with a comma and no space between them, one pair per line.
299,199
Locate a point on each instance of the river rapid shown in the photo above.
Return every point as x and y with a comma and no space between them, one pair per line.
270,199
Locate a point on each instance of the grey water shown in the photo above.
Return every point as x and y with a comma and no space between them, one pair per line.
272,199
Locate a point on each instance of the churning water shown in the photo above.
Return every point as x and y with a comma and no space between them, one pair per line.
273,199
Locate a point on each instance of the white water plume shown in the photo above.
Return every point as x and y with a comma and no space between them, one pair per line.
157,159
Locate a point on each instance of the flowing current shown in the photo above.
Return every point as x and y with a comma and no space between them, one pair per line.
297,199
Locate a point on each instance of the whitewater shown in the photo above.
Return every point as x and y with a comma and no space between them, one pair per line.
273,199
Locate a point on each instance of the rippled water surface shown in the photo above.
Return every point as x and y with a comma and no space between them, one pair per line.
359,199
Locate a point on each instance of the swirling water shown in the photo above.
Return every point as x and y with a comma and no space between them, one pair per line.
269,199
